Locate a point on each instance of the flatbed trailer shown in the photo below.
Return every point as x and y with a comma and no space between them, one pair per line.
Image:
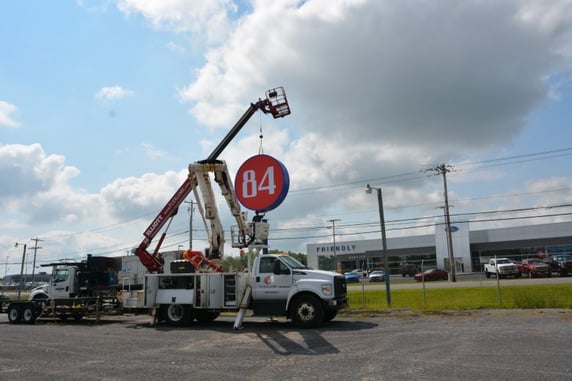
28,311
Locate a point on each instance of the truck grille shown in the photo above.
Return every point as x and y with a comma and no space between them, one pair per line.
507,269
340,288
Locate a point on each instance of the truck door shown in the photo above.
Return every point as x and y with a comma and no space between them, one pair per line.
270,287
60,284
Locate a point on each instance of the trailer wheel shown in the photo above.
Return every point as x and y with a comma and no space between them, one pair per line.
14,315
179,314
307,312
204,316
29,315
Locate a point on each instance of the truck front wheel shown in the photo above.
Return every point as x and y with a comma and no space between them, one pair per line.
307,312
487,274
179,314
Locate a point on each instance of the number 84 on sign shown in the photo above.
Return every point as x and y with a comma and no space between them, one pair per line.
261,183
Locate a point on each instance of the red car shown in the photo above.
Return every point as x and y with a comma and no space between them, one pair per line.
432,274
534,267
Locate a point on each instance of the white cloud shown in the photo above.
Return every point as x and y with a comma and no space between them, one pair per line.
113,93
409,73
36,194
6,111
152,152
199,16
175,47
127,196
27,170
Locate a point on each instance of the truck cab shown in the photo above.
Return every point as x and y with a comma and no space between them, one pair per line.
63,284
281,285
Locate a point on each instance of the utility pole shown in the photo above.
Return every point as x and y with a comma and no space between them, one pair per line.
333,221
21,269
36,247
443,170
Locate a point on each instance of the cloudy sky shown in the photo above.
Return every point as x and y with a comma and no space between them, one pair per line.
103,104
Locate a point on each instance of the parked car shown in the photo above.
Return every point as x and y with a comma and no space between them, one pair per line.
560,263
361,273
432,274
410,269
377,276
534,267
352,276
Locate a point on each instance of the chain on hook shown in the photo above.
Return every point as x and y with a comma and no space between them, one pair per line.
260,136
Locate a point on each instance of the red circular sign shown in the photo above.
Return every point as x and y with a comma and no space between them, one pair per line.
261,183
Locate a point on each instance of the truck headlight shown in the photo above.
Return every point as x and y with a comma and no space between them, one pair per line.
327,289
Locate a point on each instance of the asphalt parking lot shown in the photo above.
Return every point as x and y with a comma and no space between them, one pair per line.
478,345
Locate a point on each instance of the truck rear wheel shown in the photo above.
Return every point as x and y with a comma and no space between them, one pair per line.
14,315
307,312
29,314
179,314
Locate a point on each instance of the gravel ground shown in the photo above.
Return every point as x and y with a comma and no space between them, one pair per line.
479,345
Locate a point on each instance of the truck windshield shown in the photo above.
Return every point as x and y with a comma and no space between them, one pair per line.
293,263
60,275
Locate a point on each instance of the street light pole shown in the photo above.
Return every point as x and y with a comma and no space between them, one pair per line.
386,274
6,266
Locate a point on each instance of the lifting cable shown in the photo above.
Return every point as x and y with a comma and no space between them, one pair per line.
260,136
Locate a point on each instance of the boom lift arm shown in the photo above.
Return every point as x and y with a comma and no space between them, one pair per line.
276,104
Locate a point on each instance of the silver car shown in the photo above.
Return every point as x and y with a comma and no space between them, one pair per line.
377,276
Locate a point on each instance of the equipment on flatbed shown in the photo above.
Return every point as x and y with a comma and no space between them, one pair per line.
76,289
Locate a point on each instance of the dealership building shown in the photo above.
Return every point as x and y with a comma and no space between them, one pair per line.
471,248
